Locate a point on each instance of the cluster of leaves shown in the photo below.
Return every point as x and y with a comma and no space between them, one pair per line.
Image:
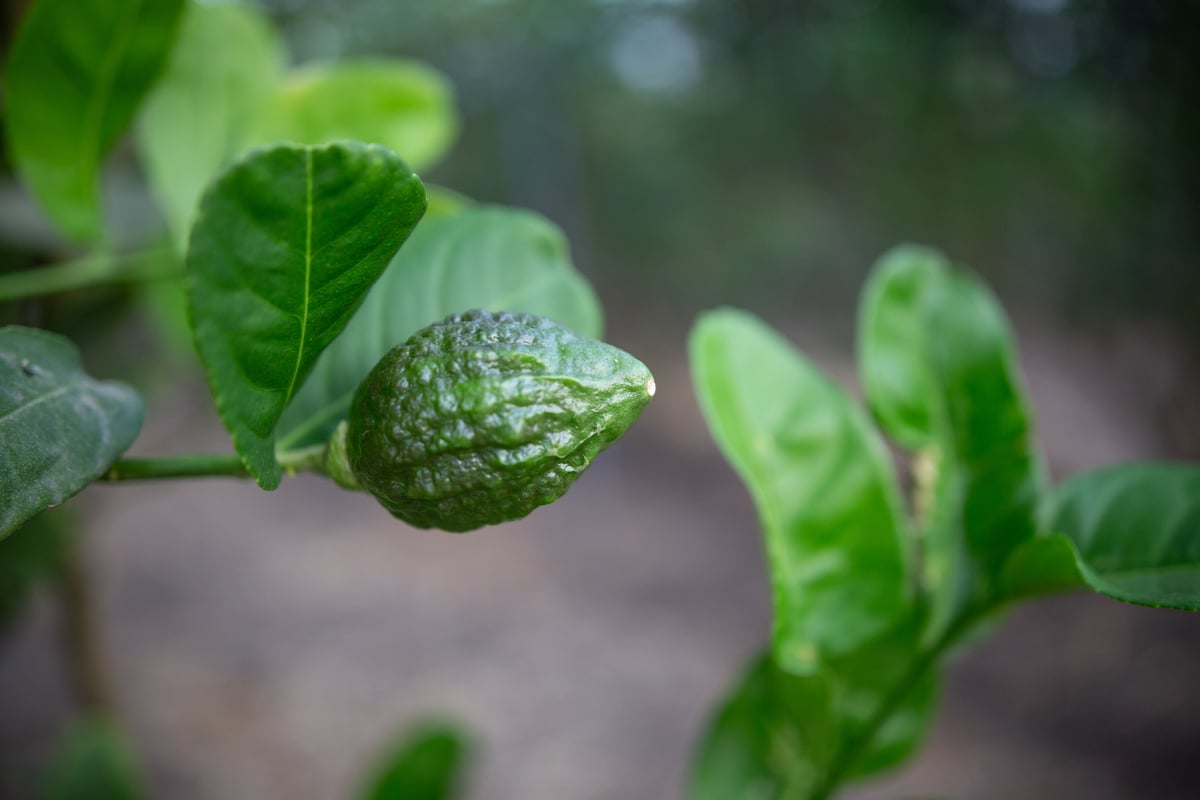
295,281
869,590
287,195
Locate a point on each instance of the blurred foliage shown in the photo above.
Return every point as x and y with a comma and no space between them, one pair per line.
93,763
34,553
763,151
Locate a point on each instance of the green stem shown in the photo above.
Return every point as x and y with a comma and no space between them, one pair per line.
94,270
850,752
201,465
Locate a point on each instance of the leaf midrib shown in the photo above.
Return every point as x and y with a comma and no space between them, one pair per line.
41,399
308,229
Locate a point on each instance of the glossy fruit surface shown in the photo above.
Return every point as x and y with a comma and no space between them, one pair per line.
483,417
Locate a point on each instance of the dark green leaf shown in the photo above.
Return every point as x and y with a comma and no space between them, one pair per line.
491,258
225,67
940,372
772,738
94,763
402,105
286,244
427,764
35,552
822,482
1131,532
76,74
59,428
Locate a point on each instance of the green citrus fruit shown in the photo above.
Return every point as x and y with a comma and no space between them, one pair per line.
483,417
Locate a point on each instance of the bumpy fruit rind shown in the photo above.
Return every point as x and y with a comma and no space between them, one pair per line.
483,417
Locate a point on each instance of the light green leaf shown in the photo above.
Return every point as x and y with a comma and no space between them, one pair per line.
443,202
404,105
59,428
226,66
286,244
941,376
495,259
772,737
94,763
1131,532
426,764
77,71
893,351
822,483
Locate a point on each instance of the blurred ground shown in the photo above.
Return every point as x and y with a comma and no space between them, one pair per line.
267,646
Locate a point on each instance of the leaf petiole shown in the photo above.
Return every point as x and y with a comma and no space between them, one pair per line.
211,465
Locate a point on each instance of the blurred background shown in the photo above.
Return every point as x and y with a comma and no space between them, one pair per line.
761,154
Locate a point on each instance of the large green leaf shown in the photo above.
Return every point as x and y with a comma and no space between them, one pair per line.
76,74
286,244
404,105
821,480
225,67
59,428
941,376
426,764
491,258
773,737
1131,532
94,763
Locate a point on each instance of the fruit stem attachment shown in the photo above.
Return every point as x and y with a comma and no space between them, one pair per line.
205,465
93,270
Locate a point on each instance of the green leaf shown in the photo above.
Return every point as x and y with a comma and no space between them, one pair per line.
427,764
495,259
822,483
76,74
404,105
94,763
1131,532
975,364
864,680
59,428
941,376
35,552
225,67
893,346
285,246
773,737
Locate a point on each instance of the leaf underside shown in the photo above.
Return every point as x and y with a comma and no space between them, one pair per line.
59,428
